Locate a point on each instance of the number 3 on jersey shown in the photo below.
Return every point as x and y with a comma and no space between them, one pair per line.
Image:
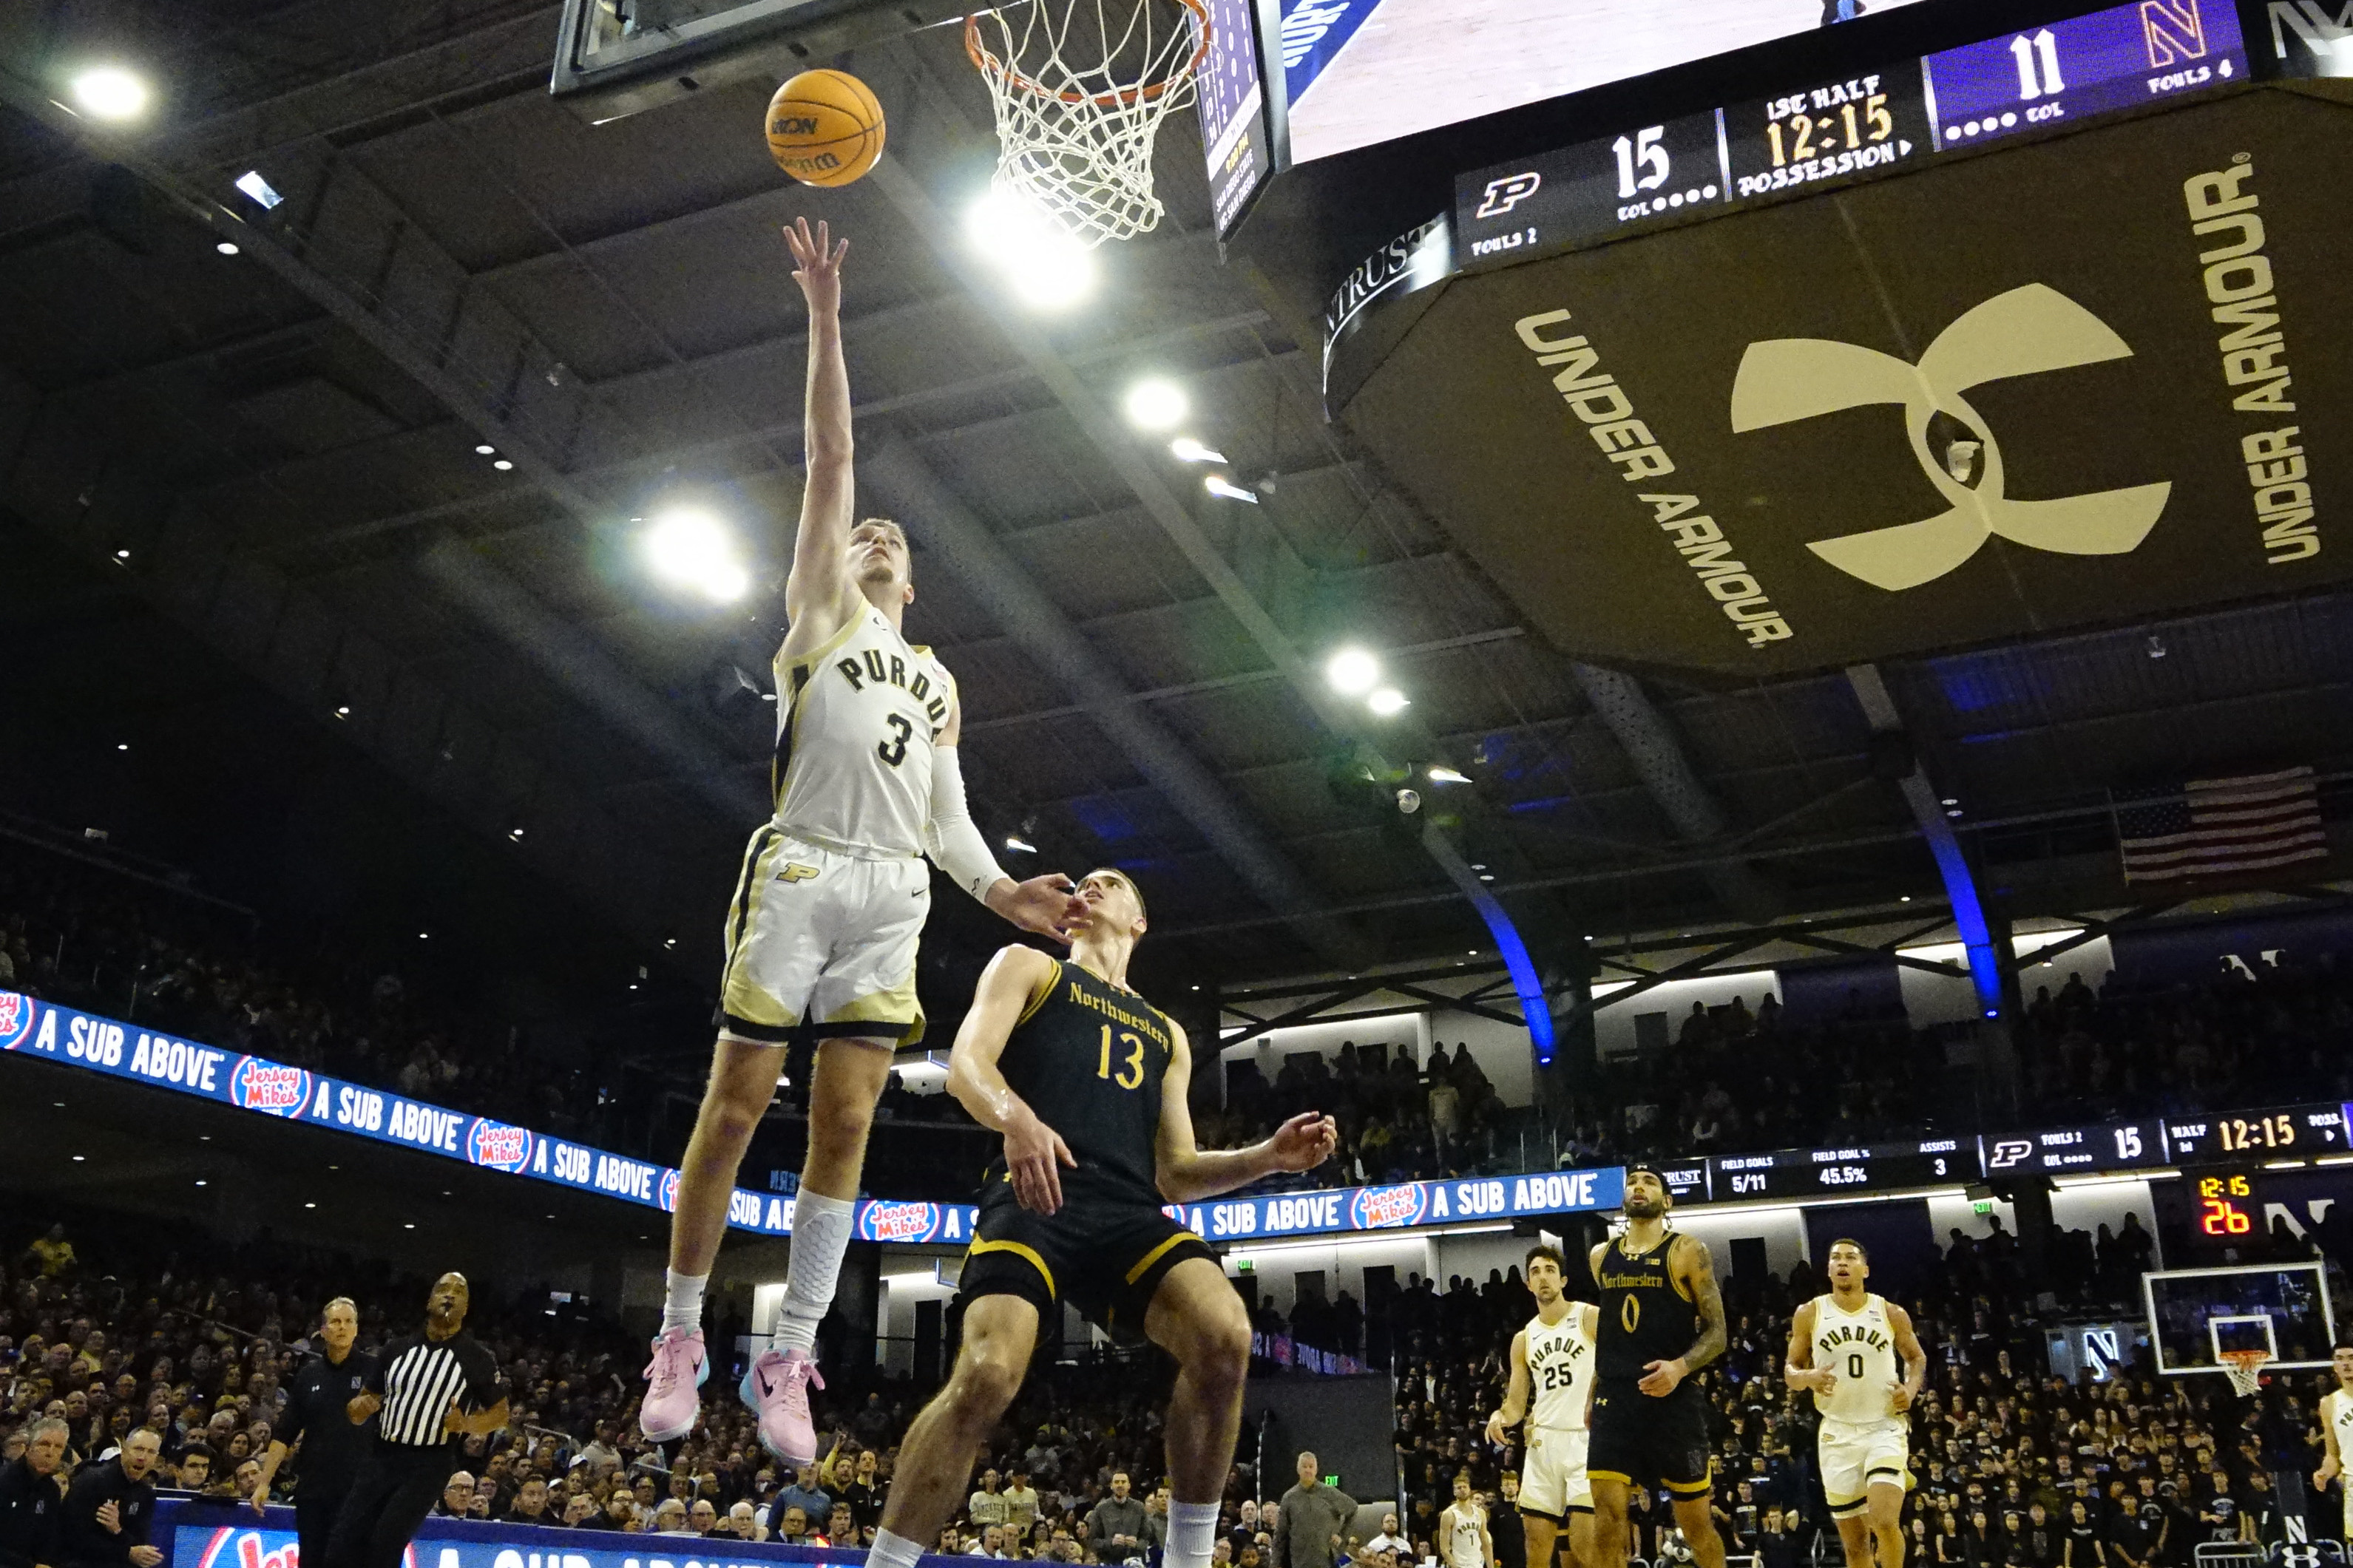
894,751
1133,1066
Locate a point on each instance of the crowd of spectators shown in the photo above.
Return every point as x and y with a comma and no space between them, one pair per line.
105,1334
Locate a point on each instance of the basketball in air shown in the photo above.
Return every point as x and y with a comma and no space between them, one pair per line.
824,128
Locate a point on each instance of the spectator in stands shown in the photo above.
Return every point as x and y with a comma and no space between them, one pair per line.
529,1505
807,1495
1115,1525
1311,1518
32,1507
110,1506
456,1496
669,1518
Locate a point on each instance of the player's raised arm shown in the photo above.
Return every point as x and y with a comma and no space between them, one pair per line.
1916,1358
819,591
1034,1153
1515,1394
1186,1171
1799,1371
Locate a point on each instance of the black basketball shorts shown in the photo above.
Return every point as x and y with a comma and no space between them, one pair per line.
1104,1257
1641,1440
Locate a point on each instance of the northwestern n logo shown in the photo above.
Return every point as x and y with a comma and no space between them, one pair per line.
2023,332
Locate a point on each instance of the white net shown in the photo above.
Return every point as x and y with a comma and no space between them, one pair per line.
2245,1369
1081,87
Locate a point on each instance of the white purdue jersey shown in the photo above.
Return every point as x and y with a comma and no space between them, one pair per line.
2336,1409
855,725
1860,1348
1560,1368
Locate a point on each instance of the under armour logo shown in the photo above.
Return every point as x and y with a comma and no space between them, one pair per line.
1501,196
795,871
2024,331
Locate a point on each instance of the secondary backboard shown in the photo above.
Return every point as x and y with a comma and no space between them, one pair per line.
2197,1316
616,57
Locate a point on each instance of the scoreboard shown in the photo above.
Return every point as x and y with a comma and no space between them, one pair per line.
1804,133
1814,1173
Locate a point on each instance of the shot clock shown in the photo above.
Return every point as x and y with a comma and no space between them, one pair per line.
2224,1211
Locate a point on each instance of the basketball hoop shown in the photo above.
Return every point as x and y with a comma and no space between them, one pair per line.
2245,1369
1081,87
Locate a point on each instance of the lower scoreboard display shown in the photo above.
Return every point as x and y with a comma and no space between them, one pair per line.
1812,1172
1807,132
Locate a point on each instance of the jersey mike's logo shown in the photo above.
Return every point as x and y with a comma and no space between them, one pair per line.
1378,1208
16,1011
259,1085
898,1222
666,1191
233,1548
1501,196
501,1147
2025,331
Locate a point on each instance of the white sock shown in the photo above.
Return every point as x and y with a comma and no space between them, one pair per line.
893,1552
682,1300
1192,1535
820,1237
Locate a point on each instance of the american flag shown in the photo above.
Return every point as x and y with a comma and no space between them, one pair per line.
2220,827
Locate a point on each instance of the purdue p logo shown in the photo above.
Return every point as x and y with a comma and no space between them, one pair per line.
2023,332
795,871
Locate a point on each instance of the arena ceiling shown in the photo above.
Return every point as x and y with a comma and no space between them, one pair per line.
274,454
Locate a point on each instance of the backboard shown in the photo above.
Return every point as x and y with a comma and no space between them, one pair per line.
2196,1316
617,57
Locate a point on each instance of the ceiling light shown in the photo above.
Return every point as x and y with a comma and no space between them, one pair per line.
1192,451
502,465
1352,671
226,247
410,1226
1156,404
1486,877
425,936
1048,268
669,942
1385,702
122,555
515,833
343,713
1439,773
694,550
1020,845
200,1181
254,185
110,92
1950,801
1954,812
122,745
1904,899
1219,485
309,1205
484,449
79,1158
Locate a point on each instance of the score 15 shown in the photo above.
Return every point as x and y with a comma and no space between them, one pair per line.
2222,1214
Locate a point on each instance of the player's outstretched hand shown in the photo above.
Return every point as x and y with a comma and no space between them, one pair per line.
816,264
1304,1142
1660,1378
1033,1155
1048,905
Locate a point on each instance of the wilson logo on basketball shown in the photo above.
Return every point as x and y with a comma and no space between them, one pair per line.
898,1222
259,1085
16,1019
802,127
1377,1209
499,1146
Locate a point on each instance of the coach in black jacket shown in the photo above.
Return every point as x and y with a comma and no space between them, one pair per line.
111,1505
32,1504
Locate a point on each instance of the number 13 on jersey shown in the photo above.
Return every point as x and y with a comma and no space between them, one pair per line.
1131,1067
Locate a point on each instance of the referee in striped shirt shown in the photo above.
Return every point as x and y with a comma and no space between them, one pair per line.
426,1391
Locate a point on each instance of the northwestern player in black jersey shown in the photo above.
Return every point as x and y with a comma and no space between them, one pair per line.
1661,1321
1086,1081
315,1416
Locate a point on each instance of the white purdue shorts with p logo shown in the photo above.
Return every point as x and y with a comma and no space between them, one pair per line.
1552,1479
822,944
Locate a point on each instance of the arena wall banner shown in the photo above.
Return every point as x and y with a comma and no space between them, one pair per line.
222,1535
48,1032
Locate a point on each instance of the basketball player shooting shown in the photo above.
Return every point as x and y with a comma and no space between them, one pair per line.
1661,1321
1086,1082
2337,1429
1552,1366
1844,1347
821,933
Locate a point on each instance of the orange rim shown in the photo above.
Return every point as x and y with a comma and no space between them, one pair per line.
988,64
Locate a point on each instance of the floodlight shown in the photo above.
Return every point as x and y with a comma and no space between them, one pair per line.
1388,700
226,247
110,92
1192,451
1156,404
1219,485
1020,845
254,185
1439,773
1047,265
693,550
1352,671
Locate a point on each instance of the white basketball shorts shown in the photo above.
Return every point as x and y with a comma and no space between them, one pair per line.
1552,1480
822,944
1859,1455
